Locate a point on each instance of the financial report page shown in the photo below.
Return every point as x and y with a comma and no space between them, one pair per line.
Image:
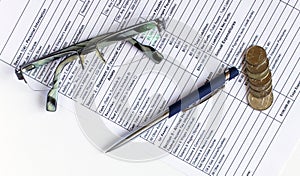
222,136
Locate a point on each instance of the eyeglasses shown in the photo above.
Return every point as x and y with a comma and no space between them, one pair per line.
80,50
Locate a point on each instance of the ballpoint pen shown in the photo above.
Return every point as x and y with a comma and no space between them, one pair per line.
197,96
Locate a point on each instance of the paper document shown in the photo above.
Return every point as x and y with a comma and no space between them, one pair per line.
223,136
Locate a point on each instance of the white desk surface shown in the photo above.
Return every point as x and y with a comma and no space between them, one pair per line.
35,142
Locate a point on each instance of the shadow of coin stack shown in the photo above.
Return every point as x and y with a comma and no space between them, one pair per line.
260,96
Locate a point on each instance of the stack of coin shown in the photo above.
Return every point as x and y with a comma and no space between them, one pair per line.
260,95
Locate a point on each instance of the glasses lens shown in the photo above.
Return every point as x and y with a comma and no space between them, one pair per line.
144,43
50,75
39,79
87,69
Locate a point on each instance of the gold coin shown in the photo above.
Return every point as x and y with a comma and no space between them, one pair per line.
261,82
258,68
260,103
260,94
261,88
256,55
257,76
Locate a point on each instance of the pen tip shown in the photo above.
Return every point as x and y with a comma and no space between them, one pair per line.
109,149
106,151
112,147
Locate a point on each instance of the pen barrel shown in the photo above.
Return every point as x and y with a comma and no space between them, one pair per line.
202,91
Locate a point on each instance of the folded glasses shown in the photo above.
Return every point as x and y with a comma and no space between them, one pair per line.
80,50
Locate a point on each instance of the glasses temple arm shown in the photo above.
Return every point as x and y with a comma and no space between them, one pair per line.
53,92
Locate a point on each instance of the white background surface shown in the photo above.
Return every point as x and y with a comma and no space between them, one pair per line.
35,142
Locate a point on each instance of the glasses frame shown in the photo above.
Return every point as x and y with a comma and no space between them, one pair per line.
78,50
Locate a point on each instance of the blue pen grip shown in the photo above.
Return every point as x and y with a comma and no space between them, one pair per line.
197,94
